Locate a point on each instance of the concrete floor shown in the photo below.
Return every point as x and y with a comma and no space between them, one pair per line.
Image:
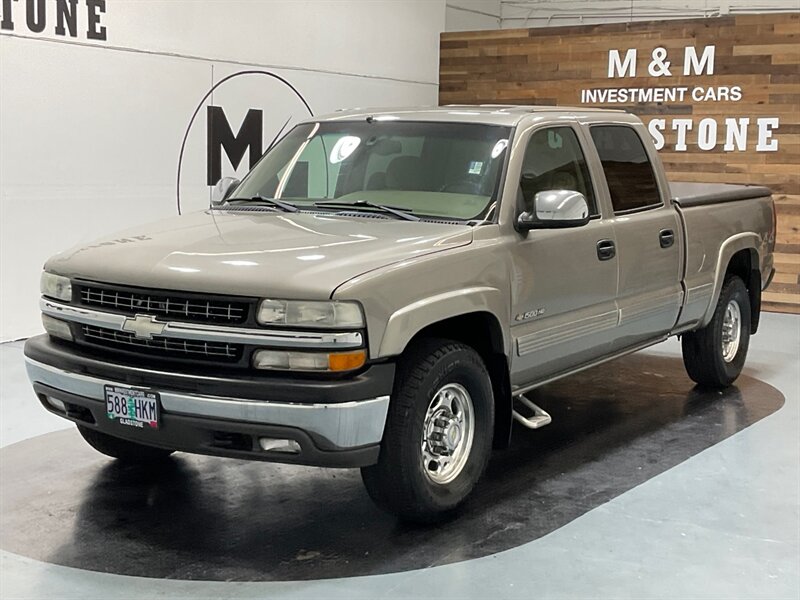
723,523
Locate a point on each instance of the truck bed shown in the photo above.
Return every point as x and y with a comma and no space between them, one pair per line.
698,194
719,220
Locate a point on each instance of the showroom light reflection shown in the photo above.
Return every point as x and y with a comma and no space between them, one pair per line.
240,263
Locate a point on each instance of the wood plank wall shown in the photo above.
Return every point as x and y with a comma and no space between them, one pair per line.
758,53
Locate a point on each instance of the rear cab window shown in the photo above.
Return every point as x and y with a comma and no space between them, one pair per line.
629,173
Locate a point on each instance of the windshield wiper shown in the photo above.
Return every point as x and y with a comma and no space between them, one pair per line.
398,212
258,198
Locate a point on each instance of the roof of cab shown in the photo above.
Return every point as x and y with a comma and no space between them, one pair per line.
492,114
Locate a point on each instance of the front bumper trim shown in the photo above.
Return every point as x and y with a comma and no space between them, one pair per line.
342,425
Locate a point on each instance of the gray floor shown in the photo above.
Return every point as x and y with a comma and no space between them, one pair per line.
722,524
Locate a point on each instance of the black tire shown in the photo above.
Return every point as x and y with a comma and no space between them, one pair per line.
398,483
703,349
123,450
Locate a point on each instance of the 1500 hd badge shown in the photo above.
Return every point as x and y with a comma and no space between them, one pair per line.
531,314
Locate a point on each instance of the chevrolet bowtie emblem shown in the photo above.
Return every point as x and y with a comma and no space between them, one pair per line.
143,326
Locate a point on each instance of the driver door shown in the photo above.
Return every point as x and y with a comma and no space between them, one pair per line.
564,310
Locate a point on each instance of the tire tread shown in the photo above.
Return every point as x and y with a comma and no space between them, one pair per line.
395,464
701,349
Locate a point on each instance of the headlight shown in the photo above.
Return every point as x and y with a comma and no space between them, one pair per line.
309,361
333,314
55,286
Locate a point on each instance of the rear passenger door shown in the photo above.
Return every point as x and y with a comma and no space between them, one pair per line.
648,234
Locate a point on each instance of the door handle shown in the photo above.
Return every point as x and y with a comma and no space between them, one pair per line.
606,249
666,238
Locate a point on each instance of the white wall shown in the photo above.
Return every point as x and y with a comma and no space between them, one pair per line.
472,15
90,130
544,13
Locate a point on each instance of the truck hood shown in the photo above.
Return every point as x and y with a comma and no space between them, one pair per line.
286,255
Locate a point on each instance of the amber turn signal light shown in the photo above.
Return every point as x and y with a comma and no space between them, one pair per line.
347,361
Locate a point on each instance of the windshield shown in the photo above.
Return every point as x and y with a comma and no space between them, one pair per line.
446,170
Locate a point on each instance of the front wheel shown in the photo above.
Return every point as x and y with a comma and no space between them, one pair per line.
438,435
714,355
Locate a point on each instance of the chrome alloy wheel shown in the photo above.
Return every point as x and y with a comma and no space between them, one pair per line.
447,433
731,331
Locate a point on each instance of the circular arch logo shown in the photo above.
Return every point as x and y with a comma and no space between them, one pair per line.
233,124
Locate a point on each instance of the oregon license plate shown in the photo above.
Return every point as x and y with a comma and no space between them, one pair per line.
131,407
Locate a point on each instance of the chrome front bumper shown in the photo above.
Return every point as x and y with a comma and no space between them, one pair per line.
344,425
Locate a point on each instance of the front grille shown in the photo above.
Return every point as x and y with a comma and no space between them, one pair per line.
172,306
194,349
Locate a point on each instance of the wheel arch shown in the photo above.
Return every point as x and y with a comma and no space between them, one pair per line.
480,329
739,256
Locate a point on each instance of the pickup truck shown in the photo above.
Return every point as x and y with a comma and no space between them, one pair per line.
384,286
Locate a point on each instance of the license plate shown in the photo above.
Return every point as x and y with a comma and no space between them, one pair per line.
134,408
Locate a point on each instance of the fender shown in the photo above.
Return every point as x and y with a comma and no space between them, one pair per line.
747,240
406,322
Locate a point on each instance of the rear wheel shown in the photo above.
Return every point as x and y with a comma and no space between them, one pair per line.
438,433
714,355
123,450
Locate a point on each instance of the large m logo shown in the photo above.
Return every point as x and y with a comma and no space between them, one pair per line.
220,137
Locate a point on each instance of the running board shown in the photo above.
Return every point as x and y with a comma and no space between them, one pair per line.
539,419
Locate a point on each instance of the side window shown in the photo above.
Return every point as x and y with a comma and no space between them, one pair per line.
554,161
629,174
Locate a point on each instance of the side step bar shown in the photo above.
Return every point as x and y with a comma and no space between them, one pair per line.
539,419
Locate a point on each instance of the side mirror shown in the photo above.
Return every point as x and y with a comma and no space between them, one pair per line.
555,209
222,190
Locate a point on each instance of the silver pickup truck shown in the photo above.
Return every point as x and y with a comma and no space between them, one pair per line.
384,286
